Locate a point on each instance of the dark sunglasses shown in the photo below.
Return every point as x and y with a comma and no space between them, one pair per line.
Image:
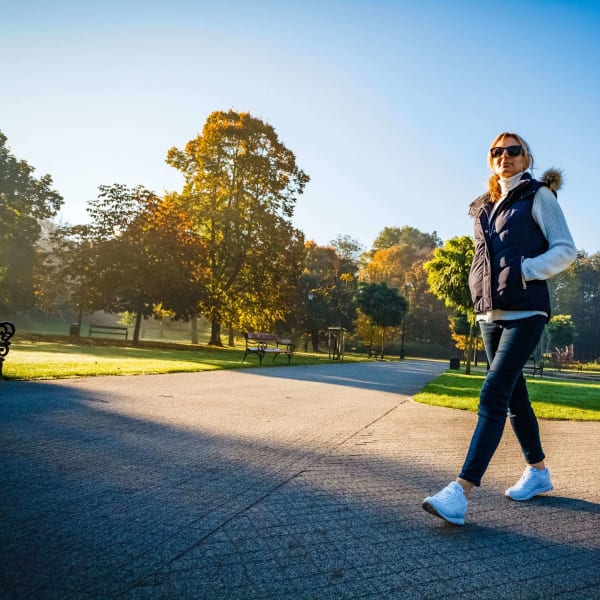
513,151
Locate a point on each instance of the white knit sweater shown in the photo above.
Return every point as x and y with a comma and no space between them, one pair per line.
561,251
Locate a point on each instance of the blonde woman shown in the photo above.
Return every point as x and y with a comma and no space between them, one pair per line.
521,240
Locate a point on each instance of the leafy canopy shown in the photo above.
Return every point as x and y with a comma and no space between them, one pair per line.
25,201
384,306
448,274
241,185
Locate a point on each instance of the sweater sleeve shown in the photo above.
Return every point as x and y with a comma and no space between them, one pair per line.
561,249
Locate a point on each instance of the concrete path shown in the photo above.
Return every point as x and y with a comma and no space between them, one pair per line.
289,482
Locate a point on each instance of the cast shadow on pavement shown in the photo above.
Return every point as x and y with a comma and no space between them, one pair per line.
100,504
410,375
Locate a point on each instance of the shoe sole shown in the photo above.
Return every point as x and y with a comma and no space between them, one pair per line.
530,496
433,511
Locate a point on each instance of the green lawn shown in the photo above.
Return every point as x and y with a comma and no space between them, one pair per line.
551,398
56,358
43,357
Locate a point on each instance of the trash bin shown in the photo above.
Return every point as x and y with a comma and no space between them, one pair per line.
74,329
455,363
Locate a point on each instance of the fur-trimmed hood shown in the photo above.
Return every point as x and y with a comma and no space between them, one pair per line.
552,178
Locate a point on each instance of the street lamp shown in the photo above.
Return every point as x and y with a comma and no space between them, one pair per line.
407,287
310,295
402,339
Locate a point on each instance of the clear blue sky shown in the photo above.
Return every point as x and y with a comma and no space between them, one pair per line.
389,106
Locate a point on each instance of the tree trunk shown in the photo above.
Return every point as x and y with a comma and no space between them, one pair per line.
314,336
215,334
136,329
231,340
194,323
382,341
469,350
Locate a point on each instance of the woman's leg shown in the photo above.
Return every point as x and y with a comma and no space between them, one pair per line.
508,346
525,424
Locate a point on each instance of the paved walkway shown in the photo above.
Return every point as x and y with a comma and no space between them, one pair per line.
301,482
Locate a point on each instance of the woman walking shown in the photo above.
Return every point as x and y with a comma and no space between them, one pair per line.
521,240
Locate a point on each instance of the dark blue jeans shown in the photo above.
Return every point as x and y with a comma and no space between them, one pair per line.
508,345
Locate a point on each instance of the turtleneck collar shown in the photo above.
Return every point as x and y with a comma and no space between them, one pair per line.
510,183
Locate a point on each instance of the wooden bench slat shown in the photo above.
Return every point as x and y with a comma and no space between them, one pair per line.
109,330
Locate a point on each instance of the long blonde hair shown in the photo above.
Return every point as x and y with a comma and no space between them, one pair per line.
493,183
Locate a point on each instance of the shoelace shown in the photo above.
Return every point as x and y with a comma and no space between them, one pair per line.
449,493
530,475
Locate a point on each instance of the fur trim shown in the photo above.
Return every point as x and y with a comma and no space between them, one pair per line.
478,204
553,178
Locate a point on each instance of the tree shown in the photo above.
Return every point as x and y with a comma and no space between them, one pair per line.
576,292
388,237
241,186
325,292
461,330
409,236
384,306
399,263
448,277
25,202
137,253
348,249
561,330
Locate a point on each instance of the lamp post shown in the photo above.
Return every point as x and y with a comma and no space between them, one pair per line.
402,339
310,295
407,287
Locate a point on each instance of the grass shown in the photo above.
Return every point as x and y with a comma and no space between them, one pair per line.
50,357
551,398
44,357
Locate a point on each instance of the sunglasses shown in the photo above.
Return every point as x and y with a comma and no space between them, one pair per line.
513,151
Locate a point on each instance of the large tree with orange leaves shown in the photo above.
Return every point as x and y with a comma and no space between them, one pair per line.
241,186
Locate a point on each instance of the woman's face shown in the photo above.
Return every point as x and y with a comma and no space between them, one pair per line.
505,165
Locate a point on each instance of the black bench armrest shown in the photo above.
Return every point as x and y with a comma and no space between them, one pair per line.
7,330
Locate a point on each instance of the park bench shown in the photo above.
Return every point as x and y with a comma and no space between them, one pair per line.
534,366
7,330
109,330
260,344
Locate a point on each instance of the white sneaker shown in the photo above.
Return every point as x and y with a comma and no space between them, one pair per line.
532,482
449,504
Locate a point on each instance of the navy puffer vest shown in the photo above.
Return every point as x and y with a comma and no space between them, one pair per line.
502,242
